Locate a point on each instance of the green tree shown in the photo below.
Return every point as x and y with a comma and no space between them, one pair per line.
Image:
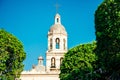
79,63
11,56
107,25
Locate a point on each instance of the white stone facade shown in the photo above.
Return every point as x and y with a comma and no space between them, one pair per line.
57,47
33,75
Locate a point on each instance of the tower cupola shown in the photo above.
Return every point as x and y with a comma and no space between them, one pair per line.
57,19
40,60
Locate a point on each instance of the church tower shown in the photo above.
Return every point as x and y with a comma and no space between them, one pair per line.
57,45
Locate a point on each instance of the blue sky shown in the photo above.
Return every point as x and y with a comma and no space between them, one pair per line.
30,20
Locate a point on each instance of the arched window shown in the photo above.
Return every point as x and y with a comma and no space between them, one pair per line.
64,42
57,43
61,59
50,43
52,62
57,20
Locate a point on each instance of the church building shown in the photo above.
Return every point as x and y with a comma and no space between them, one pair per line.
57,47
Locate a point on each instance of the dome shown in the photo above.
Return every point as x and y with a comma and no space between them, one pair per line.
57,15
57,28
40,58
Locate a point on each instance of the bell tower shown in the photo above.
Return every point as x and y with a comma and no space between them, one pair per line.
57,45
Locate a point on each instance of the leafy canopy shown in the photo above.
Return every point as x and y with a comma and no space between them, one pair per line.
107,25
78,63
11,56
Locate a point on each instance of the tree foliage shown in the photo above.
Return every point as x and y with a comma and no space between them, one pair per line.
78,63
11,56
107,25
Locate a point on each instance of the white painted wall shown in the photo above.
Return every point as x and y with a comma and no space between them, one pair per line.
39,77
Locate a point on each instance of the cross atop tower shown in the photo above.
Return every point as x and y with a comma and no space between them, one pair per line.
57,6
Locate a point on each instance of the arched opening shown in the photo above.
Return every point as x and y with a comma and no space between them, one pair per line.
50,43
52,62
57,43
64,42
57,20
61,59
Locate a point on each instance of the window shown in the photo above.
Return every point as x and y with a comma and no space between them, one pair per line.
61,59
52,62
50,43
57,43
57,20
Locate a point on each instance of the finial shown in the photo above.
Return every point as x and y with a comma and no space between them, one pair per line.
57,6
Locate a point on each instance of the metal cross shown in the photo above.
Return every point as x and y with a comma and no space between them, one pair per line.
57,6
